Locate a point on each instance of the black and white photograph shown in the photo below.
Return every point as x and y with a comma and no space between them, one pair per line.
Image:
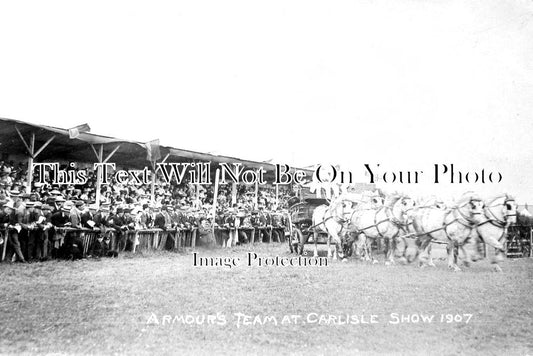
266,177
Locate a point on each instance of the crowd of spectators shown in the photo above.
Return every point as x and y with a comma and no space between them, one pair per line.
33,222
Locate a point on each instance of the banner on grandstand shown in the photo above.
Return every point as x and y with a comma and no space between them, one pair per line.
77,130
152,151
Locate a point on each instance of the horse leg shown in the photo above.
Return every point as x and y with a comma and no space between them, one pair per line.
430,257
302,239
340,251
388,248
467,261
452,263
315,235
500,250
364,246
360,246
336,246
370,252
478,246
391,250
329,246
498,257
420,245
403,258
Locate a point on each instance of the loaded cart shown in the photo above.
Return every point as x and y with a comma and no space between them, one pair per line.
519,241
301,223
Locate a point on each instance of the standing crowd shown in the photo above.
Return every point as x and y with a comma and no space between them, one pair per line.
45,223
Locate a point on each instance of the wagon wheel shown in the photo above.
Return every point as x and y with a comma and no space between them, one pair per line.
298,240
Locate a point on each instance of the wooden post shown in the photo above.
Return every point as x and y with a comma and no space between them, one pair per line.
215,201
193,236
6,236
290,226
32,154
30,163
100,157
152,190
233,194
531,242
256,193
197,201
135,239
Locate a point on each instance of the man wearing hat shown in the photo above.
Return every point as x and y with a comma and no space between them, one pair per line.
16,196
61,218
12,221
146,217
75,213
102,218
87,217
28,236
45,227
57,202
120,224
205,234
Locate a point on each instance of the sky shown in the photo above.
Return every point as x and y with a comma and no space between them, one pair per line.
404,84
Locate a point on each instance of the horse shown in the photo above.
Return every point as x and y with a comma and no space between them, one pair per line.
384,222
452,226
331,219
499,212
423,203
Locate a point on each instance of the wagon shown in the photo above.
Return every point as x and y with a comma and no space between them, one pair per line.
301,221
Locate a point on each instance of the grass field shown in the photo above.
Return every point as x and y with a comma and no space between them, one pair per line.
123,306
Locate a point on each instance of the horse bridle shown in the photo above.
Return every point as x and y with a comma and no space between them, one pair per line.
492,218
389,217
467,222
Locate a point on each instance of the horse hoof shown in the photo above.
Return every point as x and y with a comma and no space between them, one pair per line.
466,263
497,268
497,259
344,260
431,264
374,262
402,260
476,258
455,268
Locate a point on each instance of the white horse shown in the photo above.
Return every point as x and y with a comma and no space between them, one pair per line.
384,222
332,220
499,213
423,203
451,226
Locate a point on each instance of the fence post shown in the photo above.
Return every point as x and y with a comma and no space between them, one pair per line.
193,237
6,237
530,241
